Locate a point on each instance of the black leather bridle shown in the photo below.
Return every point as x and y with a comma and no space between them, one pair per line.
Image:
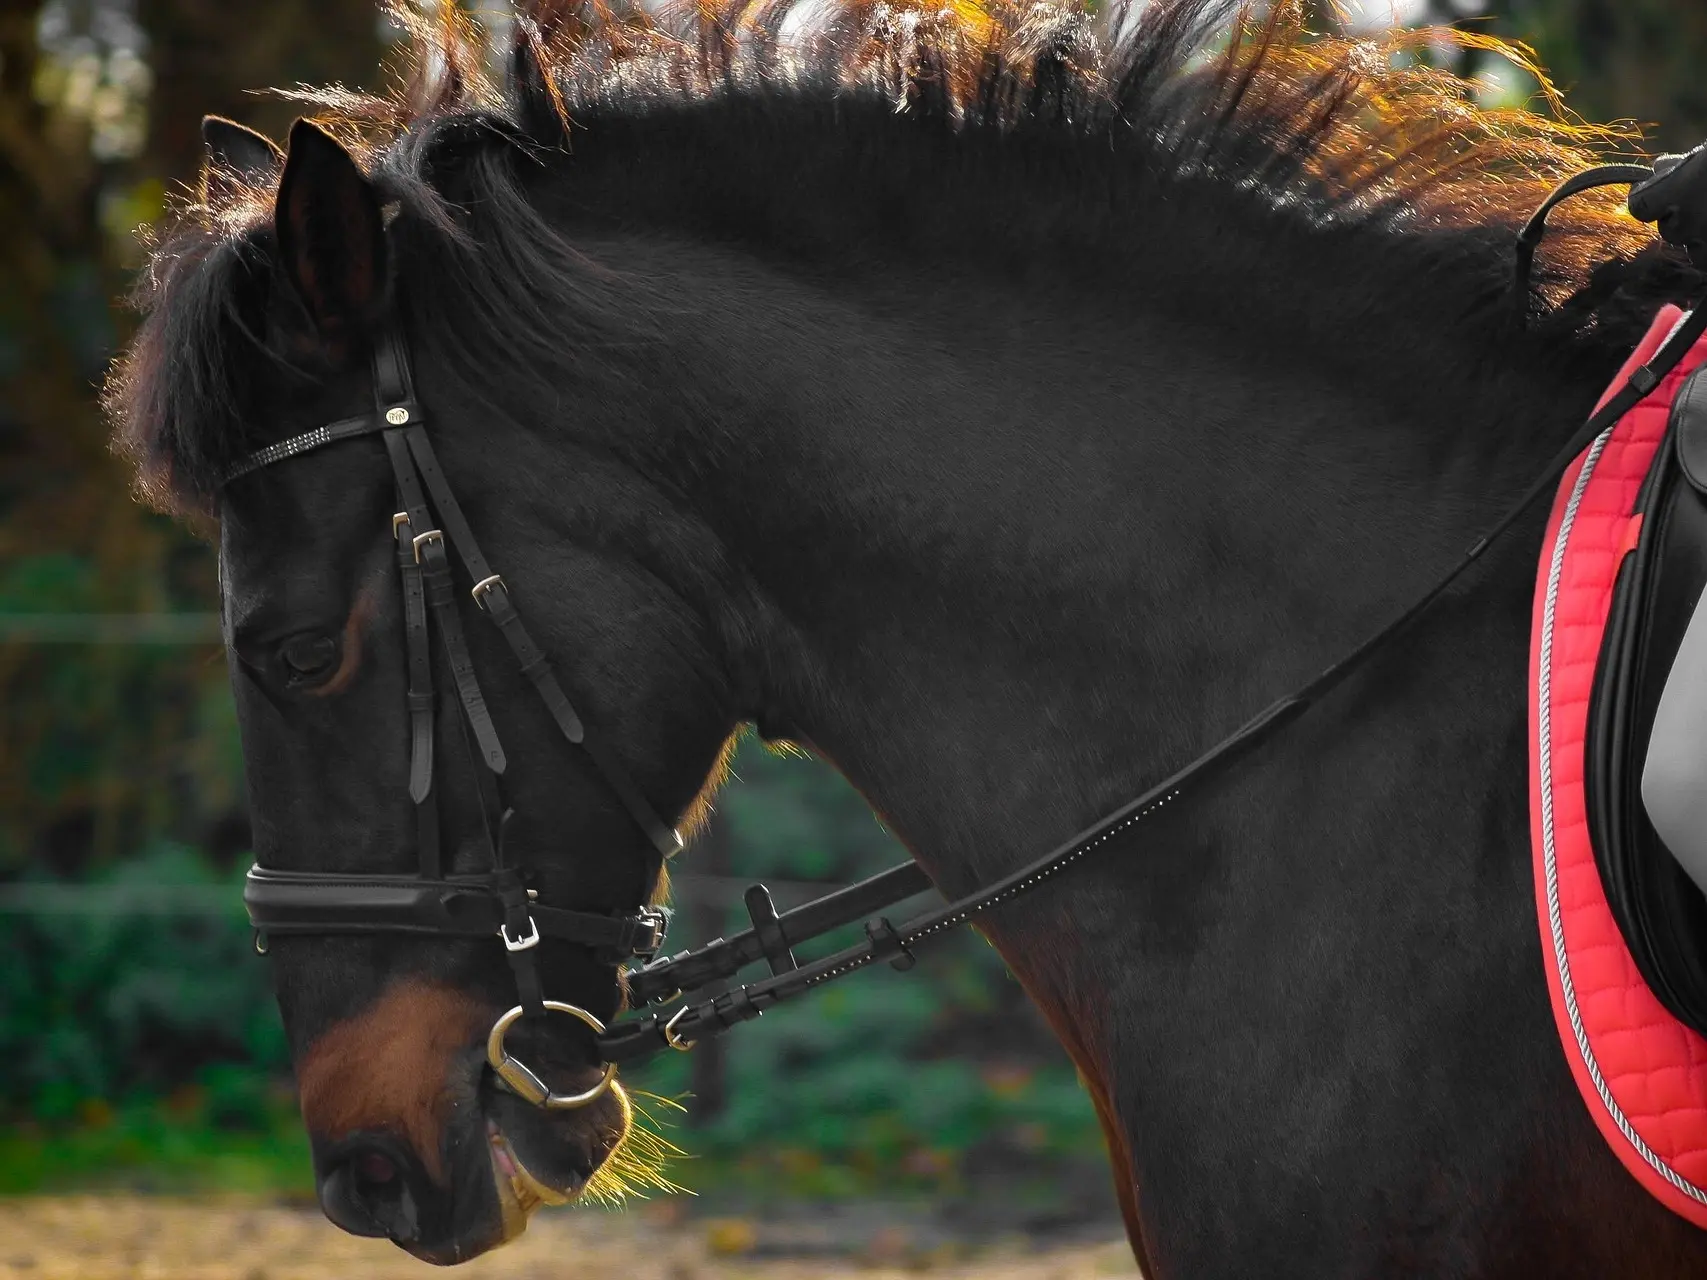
499,903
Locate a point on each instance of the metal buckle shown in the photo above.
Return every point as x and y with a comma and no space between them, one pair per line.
659,919
670,1036
397,522
524,1082
479,590
431,535
520,944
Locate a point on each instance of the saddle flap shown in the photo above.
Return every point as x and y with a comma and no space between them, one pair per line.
1655,587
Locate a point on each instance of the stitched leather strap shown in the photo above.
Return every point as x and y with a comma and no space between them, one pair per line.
418,652
494,599
304,902
724,957
440,591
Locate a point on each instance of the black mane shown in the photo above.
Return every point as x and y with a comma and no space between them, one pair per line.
1018,137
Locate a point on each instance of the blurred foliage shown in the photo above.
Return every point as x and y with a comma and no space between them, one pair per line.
168,1145
107,748
1640,60
146,1041
98,1005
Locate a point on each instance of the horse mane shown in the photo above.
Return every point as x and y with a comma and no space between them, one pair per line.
1362,133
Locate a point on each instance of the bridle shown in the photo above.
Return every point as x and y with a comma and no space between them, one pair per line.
430,520
499,903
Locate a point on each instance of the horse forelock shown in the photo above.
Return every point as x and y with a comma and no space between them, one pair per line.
1320,130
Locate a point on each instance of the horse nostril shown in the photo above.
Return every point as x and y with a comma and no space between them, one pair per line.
368,1194
342,1201
373,1167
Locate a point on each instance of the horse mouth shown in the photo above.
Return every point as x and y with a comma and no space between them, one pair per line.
520,1193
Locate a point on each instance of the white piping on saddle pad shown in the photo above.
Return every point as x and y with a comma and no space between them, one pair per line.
1544,759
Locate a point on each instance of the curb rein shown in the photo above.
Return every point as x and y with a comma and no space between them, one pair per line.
1673,194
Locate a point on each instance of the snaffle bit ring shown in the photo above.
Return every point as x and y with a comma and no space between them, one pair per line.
524,1082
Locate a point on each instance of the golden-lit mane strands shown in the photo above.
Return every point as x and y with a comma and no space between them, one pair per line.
1356,133
439,72
587,45
1383,129
1375,127
448,72
226,203
530,62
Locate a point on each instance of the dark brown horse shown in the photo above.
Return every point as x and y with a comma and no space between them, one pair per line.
1005,404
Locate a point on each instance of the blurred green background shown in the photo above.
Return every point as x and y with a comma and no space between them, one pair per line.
138,1039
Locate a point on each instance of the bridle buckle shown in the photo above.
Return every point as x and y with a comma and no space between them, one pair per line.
524,943
659,920
480,589
421,539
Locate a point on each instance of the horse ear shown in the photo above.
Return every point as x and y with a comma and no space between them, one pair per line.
331,236
540,109
238,150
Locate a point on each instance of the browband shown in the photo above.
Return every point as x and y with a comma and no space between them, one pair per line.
344,429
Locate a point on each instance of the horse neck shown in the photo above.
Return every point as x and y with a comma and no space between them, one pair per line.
1019,554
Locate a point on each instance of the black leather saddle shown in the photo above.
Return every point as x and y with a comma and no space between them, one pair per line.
1659,909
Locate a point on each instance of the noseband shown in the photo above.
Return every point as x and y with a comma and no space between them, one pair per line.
499,903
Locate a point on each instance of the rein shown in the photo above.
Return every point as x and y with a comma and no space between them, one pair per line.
498,902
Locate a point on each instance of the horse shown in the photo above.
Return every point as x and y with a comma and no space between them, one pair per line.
1000,402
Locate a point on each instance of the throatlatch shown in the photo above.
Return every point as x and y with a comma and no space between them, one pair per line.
498,902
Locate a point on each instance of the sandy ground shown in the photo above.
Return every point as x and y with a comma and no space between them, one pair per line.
131,1238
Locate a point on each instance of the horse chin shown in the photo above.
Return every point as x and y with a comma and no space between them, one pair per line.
536,1164
520,1192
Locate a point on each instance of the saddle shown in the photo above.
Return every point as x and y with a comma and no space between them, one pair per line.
1661,573
1659,908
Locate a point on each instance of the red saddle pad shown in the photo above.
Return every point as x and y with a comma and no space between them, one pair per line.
1642,1073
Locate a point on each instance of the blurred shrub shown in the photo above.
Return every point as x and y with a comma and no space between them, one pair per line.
109,746
111,1002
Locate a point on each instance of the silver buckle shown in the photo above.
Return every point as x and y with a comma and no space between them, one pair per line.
520,944
479,590
660,922
421,539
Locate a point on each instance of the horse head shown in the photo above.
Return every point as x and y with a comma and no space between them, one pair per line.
398,737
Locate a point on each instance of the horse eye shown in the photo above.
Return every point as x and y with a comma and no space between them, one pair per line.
308,655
